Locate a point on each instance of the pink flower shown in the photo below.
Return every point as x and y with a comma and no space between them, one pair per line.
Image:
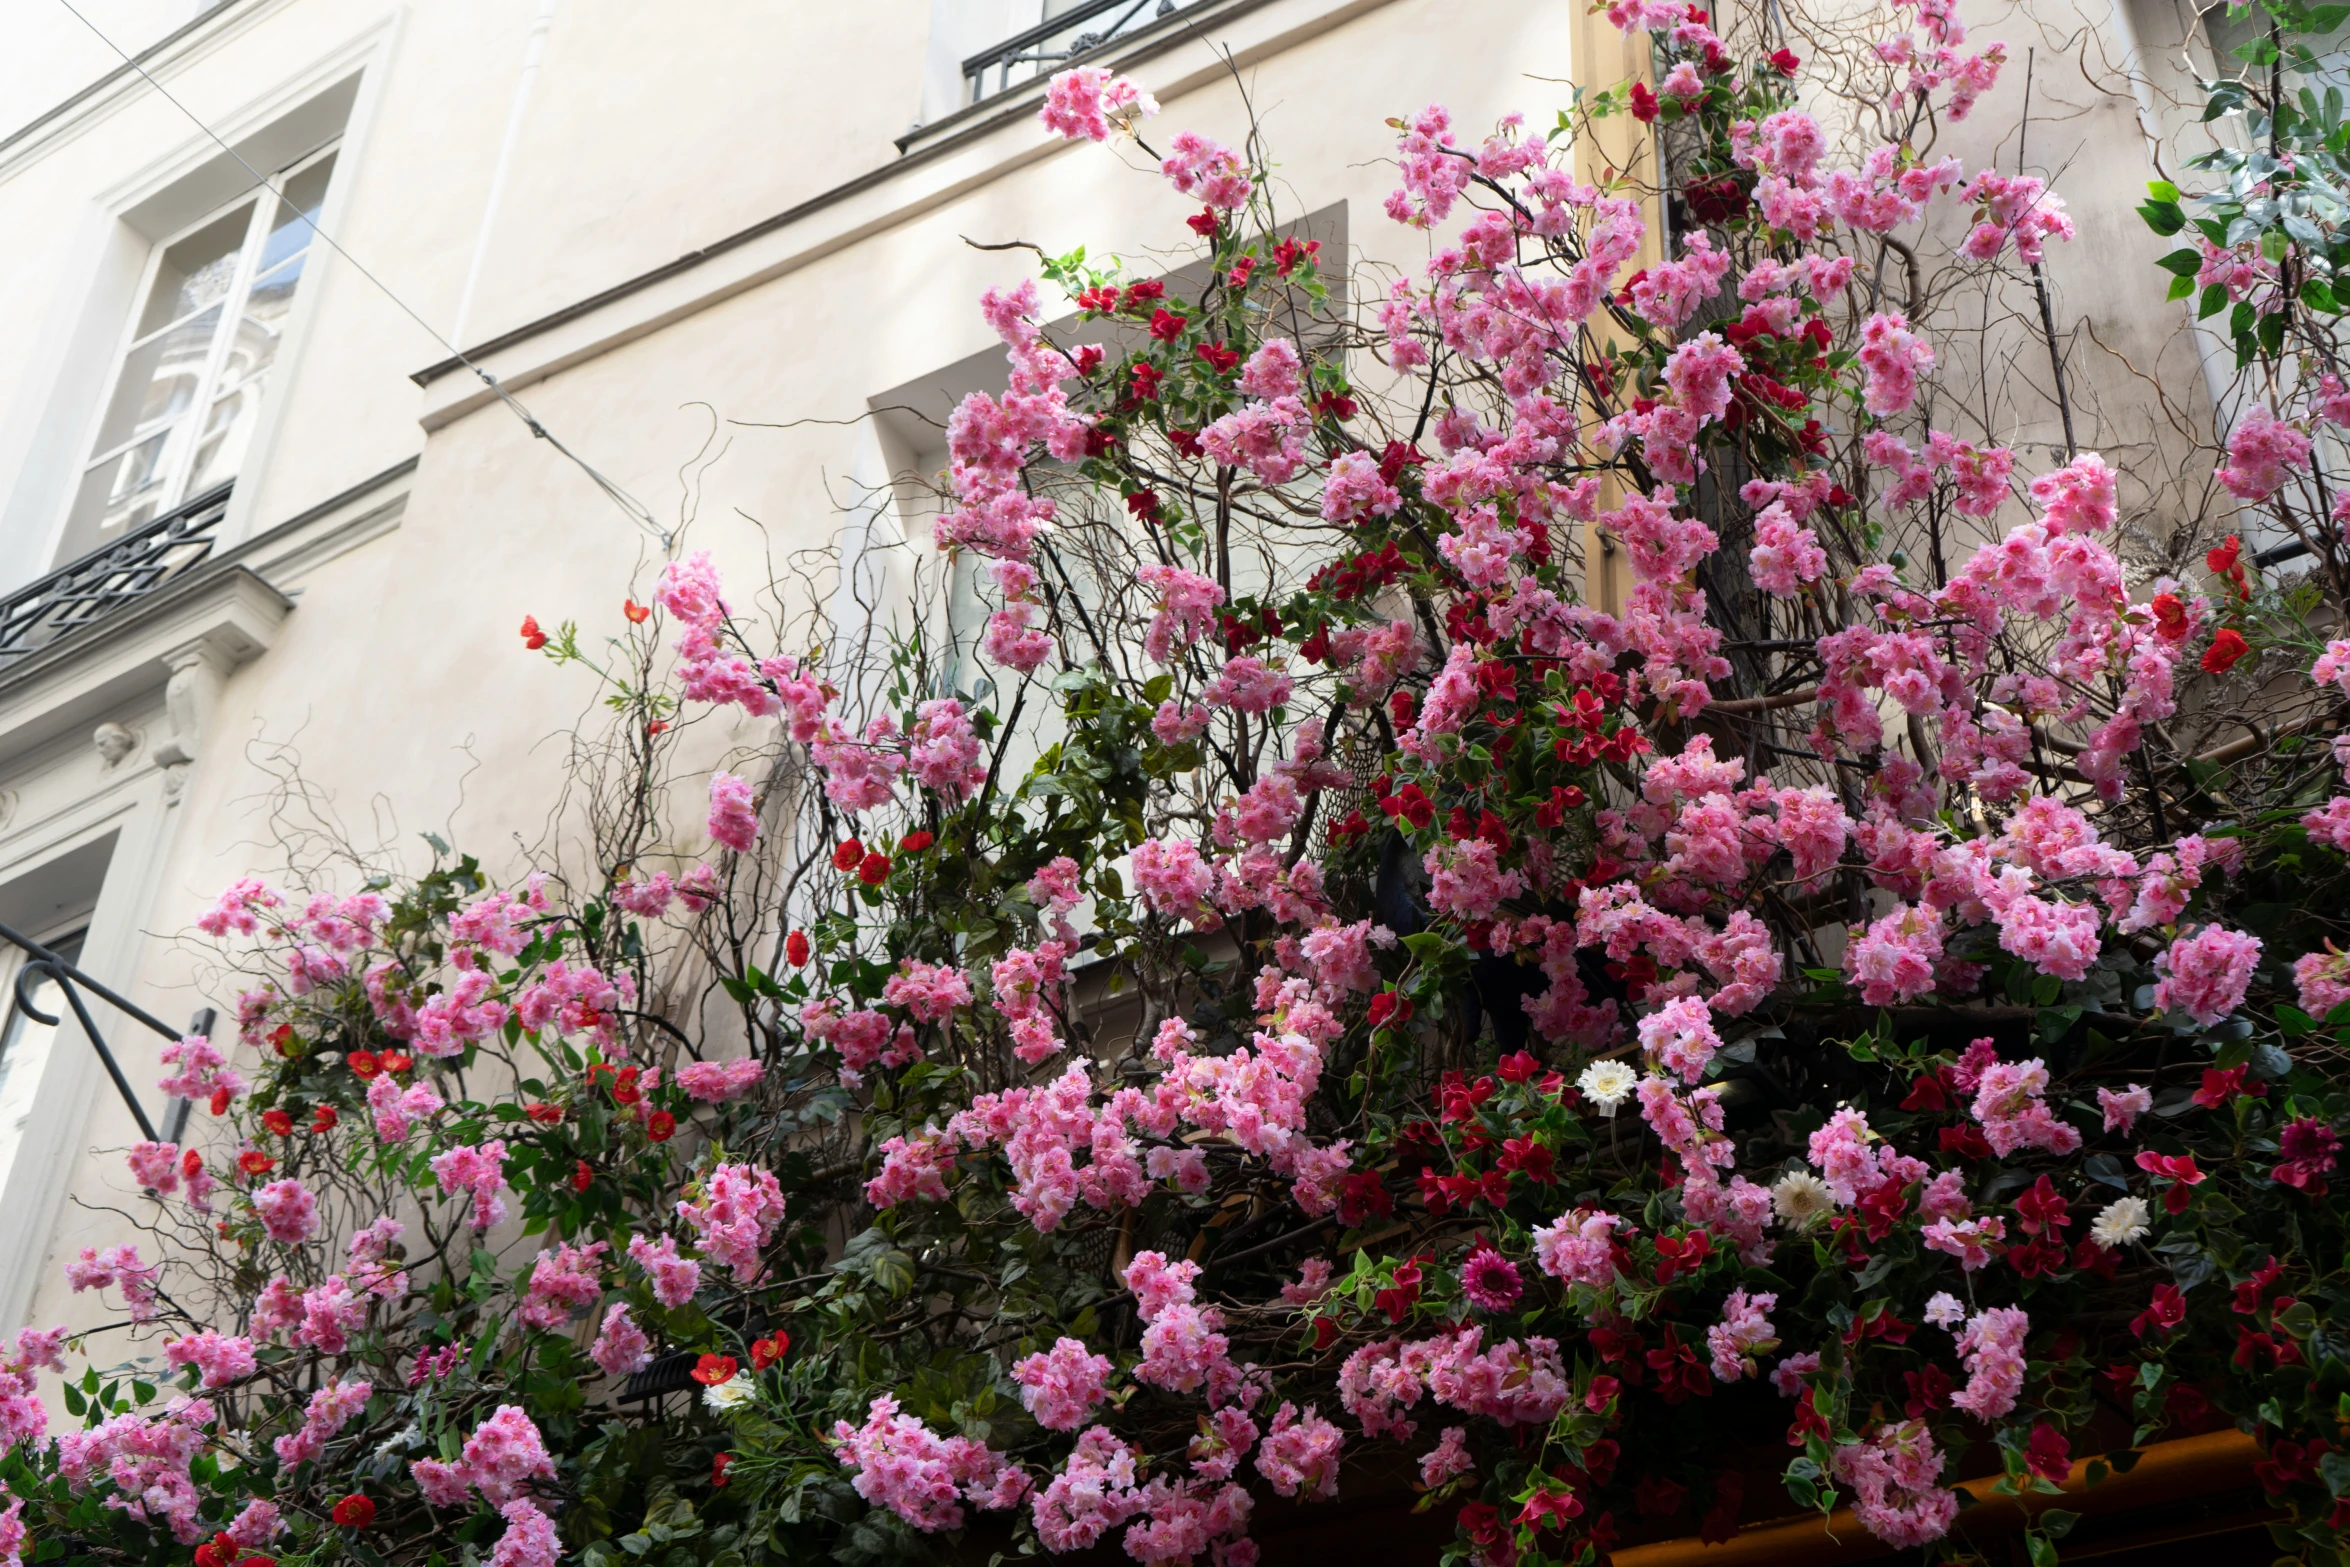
2263,452
233,909
287,1211
944,750
2205,975
1085,102
1679,1036
1490,1280
330,1409
675,1278
2322,980
481,1172
530,1539
734,819
505,1453
1744,1332
897,1462
735,1217
1272,371
2008,1103
1993,1348
715,1082
1893,357
621,1348
1300,1454
929,991
1062,1385
912,1168
1448,1459
221,1360
1186,608
1785,555
2123,1107
1892,1476
1198,166
563,1279
1579,1248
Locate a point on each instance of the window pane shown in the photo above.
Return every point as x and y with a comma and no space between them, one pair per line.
228,430
24,1050
158,380
117,495
290,230
198,270
253,347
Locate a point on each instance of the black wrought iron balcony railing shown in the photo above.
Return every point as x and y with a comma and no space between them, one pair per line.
87,590
1056,40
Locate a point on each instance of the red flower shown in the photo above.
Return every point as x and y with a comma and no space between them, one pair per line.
1325,1332
281,1039
795,949
719,1462
1968,1141
532,637
2048,1454
583,1177
1217,357
2309,1147
2221,1084
366,1063
1203,223
1100,300
1147,376
1289,253
324,1118
191,1164
1398,1300
1166,325
624,1086
2170,617
1643,103
543,1113
847,856
660,1126
354,1511
873,870
1524,1156
1389,1007
915,842
397,1060
254,1162
1363,1195
220,1101
637,613
1785,62
1549,1509
2166,1311
711,1370
2042,1210
2225,649
279,1123
767,1351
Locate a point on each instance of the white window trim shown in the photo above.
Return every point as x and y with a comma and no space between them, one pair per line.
187,440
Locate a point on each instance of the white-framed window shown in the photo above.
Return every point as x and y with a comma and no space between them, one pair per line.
210,319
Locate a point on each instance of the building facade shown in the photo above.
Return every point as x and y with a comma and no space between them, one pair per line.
265,535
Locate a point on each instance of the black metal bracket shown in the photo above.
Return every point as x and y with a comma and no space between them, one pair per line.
72,981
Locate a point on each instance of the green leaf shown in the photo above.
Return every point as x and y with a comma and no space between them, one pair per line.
2164,217
2058,1522
2319,295
2180,288
2162,190
2186,263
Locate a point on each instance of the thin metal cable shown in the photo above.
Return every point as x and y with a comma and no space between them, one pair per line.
630,507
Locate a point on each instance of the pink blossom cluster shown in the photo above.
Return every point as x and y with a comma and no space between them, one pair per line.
715,1082
331,1408
479,1171
1062,1386
895,1461
735,1216
563,1280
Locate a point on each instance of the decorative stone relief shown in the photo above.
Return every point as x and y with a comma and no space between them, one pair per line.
116,743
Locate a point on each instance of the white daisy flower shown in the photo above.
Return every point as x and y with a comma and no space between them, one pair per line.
1607,1084
731,1394
1800,1198
2123,1221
